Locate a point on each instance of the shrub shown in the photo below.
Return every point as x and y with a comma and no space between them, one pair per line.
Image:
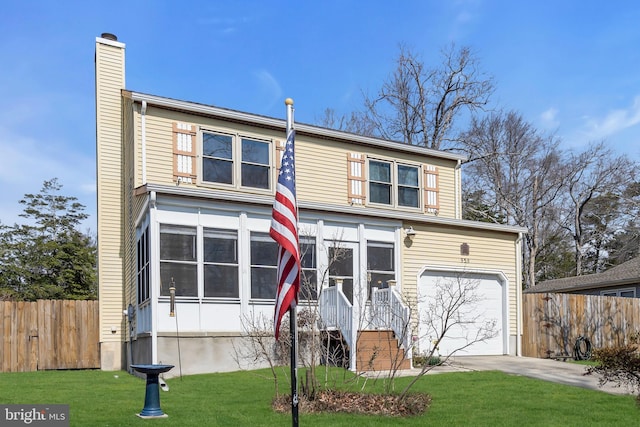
619,365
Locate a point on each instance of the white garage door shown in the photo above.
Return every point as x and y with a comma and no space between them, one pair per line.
480,315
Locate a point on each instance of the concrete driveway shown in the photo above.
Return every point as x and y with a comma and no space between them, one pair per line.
544,369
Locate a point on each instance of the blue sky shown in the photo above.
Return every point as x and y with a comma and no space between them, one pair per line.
569,67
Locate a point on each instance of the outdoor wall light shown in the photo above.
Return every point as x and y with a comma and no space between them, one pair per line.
410,233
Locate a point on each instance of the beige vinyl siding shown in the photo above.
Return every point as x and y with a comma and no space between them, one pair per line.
321,171
440,246
446,186
109,82
131,205
317,160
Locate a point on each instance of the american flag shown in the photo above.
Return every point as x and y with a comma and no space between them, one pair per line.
284,230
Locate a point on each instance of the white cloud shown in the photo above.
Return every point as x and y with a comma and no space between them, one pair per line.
549,118
614,122
270,87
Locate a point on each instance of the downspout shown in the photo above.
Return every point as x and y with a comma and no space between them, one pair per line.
458,186
519,294
143,130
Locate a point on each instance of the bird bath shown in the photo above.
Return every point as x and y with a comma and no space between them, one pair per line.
152,394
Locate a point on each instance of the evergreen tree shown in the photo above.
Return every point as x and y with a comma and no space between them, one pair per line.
48,257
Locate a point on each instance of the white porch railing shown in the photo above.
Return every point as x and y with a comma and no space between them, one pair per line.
336,312
389,312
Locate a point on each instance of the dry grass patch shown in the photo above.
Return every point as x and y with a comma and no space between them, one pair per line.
328,401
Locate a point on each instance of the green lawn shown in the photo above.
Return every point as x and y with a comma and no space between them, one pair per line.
98,398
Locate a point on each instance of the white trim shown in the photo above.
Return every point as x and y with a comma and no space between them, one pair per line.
154,286
300,128
618,292
519,326
113,43
367,212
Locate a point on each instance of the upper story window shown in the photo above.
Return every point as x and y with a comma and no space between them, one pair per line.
380,182
236,161
395,184
408,186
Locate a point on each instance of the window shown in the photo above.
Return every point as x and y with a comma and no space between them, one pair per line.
408,186
143,270
380,182
178,260
264,259
309,274
220,263
628,292
380,264
255,164
406,190
230,159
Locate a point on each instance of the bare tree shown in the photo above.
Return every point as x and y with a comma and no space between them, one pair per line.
418,105
451,313
355,122
596,181
520,174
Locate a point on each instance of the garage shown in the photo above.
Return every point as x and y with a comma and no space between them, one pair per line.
480,313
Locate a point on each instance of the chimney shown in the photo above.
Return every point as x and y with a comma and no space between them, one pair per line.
109,36
110,81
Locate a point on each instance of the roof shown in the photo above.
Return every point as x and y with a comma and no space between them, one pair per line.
255,119
623,274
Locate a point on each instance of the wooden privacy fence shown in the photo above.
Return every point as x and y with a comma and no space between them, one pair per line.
49,334
553,322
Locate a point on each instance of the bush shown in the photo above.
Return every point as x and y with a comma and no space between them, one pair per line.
425,360
619,365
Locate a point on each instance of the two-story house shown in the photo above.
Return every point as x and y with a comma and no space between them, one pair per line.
185,193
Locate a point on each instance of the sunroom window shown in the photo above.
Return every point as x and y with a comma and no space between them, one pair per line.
264,259
380,264
309,274
144,266
220,263
178,260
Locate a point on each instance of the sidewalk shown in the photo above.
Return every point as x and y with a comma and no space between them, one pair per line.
544,369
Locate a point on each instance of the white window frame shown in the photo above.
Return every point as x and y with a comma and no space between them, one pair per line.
395,184
618,292
236,160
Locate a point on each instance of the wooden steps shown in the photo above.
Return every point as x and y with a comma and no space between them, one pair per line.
379,351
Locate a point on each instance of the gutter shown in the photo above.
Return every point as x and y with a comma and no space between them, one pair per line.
267,200
269,122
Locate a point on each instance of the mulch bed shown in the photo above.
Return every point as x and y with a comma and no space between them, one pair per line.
357,403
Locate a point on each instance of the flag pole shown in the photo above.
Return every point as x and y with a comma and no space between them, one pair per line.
293,324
